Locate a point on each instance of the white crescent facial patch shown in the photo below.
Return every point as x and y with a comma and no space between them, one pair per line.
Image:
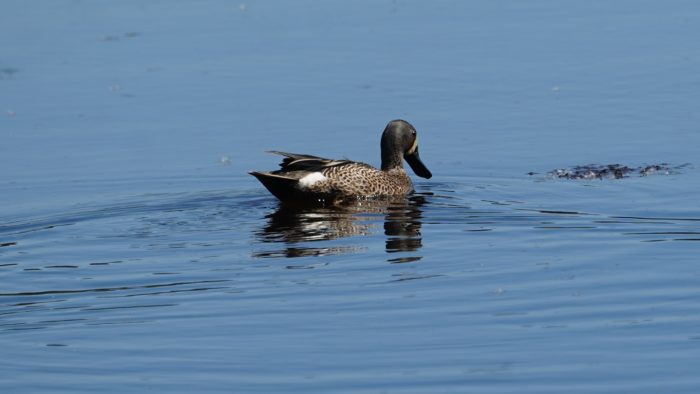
413,147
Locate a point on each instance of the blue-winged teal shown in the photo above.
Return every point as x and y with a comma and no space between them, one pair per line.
305,178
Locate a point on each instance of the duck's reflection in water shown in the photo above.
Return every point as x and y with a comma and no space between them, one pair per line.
289,230
402,225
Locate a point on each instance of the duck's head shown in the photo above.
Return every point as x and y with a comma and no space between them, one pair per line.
400,141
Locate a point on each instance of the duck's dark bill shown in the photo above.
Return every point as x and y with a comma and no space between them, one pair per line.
418,167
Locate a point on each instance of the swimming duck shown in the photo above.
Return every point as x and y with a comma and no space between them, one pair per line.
312,179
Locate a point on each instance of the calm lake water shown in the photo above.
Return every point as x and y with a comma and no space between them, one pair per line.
137,255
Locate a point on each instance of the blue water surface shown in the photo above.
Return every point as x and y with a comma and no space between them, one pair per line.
137,255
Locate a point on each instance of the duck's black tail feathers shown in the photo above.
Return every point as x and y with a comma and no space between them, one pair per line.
281,186
301,162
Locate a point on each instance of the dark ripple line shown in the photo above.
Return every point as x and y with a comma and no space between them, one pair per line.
415,278
566,227
31,229
120,321
107,289
628,222
556,212
127,307
643,218
665,233
167,292
24,328
62,266
62,320
174,204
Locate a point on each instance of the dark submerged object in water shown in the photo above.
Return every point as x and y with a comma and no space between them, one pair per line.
312,179
614,171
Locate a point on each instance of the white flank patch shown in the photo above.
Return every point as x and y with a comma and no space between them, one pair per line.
311,179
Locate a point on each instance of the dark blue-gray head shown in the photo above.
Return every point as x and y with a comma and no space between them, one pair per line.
399,142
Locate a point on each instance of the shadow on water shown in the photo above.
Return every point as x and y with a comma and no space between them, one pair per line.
295,228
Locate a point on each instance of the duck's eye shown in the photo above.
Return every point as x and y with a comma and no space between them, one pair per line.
413,132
